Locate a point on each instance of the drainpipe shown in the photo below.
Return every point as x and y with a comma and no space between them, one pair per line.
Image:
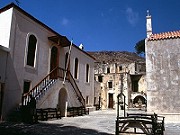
67,62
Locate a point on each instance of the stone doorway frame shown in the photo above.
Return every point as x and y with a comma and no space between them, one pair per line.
62,102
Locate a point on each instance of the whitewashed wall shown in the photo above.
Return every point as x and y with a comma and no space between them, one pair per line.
18,27
87,89
5,27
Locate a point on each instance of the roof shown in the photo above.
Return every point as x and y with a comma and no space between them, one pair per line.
54,38
165,35
12,5
4,48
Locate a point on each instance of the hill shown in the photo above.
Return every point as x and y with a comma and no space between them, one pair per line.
116,57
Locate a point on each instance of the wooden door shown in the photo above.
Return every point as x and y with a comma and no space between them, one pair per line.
1,99
110,101
54,61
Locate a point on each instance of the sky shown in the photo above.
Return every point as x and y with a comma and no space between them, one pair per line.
104,25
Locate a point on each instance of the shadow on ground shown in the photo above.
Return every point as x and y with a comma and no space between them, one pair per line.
10,128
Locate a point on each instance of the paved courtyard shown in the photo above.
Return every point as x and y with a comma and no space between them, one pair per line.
96,123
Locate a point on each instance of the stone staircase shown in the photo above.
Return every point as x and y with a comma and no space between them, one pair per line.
46,90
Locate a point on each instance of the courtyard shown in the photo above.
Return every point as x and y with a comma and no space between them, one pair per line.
96,123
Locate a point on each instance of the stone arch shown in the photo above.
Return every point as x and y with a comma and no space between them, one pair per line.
139,98
62,101
133,96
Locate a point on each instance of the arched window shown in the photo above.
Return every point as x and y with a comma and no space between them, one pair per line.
54,55
87,72
31,52
76,66
66,59
54,62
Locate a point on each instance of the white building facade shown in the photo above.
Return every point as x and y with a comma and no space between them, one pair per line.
34,51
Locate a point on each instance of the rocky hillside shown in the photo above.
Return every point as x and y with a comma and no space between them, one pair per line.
116,57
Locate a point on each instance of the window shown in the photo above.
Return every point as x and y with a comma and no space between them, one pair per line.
87,72
109,84
26,86
100,78
31,52
120,68
94,100
108,70
54,57
76,68
66,59
135,86
87,99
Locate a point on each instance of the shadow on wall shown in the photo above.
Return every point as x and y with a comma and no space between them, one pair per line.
12,92
44,129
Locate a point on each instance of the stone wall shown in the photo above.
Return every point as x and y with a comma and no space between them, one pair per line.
163,76
116,78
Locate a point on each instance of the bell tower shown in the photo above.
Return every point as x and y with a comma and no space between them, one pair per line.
148,24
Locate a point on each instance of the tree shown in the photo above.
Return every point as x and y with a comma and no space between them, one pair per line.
140,47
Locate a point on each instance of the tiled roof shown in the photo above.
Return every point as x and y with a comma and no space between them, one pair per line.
165,35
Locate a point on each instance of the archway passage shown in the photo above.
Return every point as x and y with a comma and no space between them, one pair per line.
139,101
62,102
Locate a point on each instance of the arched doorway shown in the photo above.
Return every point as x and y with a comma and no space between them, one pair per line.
54,60
62,102
139,101
111,102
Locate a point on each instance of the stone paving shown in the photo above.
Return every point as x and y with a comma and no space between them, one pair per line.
96,123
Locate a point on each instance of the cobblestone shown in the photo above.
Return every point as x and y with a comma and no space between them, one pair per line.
96,123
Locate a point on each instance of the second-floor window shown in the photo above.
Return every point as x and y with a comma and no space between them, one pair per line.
135,86
76,66
120,68
31,51
108,70
87,72
110,85
66,60
100,78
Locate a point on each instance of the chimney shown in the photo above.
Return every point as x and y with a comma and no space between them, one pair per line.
81,46
148,24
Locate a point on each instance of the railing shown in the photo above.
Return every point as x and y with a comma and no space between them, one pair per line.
74,85
40,89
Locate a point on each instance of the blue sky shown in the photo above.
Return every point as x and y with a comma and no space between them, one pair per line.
111,25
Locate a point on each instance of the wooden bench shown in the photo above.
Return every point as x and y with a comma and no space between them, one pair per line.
97,106
47,113
52,113
77,111
150,124
158,120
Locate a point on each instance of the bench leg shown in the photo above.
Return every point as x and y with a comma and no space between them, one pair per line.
117,127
